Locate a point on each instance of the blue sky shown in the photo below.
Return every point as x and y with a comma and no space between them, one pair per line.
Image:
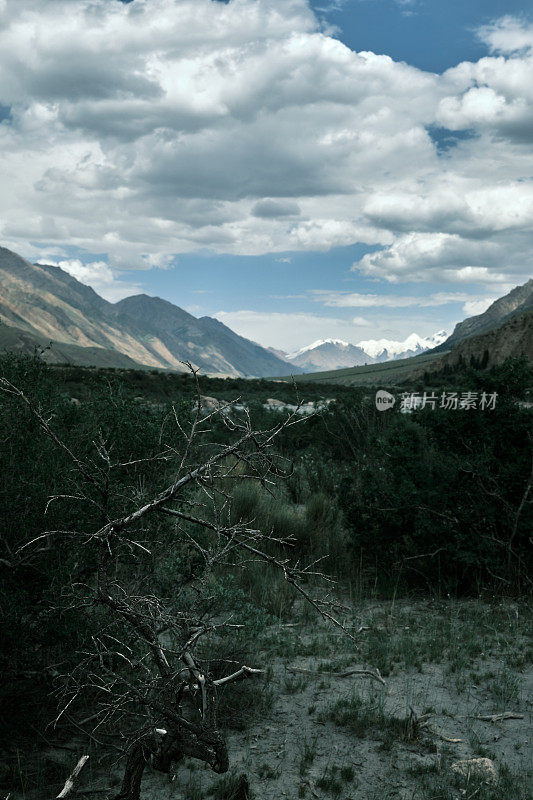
429,34
354,169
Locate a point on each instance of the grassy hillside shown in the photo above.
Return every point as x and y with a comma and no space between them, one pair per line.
387,373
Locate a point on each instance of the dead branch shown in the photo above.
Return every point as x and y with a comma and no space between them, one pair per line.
243,672
73,778
143,672
375,674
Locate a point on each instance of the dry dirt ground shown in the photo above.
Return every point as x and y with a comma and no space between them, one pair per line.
457,685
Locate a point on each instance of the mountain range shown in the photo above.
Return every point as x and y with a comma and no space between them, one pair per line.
332,354
41,303
328,354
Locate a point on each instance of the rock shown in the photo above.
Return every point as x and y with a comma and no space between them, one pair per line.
209,402
273,403
74,401
307,408
476,767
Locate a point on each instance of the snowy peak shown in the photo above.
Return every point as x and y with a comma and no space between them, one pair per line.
327,354
319,342
389,349
437,338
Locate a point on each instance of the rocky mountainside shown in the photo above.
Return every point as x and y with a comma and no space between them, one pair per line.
518,299
16,340
47,304
514,338
205,342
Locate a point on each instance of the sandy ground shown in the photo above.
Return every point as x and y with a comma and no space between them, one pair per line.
294,750
444,666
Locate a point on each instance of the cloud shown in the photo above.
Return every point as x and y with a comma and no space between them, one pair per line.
494,94
291,330
96,274
246,128
507,35
474,307
357,300
475,213
448,258
270,209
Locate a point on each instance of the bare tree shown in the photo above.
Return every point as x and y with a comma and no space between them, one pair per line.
143,672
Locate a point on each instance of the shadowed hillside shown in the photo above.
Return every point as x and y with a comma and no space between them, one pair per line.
50,305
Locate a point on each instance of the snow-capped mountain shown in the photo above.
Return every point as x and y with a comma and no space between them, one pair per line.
389,349
326,354
319,342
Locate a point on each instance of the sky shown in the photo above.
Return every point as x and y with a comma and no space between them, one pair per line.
300,169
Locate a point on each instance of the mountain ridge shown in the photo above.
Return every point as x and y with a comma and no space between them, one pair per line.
520,298
390,349
46,303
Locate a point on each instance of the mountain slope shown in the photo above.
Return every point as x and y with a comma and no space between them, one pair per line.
328,354
16,340
49,304
514,338
518,299
385,373
205,342
46,301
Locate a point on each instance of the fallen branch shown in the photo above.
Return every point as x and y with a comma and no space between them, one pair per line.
423,722
499,717
346,674
447,738
376,675
71,781
243,672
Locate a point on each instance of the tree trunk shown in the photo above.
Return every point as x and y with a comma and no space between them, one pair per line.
133,772
209,746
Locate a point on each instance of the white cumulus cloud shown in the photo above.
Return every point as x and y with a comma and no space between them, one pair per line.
159,127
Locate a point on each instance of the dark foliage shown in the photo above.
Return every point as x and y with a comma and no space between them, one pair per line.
432,501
